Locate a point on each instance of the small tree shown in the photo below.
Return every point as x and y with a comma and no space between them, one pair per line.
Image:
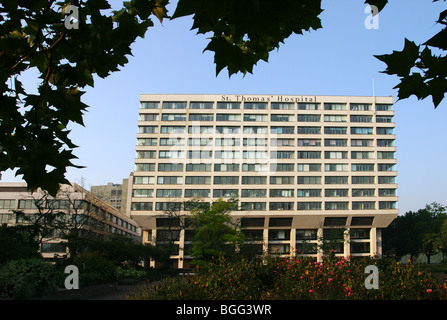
215,233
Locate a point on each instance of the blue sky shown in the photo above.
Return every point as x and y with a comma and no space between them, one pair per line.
335,60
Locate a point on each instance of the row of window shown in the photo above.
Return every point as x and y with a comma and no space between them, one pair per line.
206,180
220,105
248,206
250,142
261,193
261,167
225,154
263,117
265,130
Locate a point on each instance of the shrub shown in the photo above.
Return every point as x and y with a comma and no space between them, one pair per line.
27,278
94,268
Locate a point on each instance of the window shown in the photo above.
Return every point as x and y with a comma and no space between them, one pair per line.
200,129
336,167
335,154
282,117
336,192
174,105
336,205
226,154
172,142
169,180
146,154
361,130
147,142
285,193
228,167
282,180
335,106
254,154
197,193
257,130
254,180
142,193
308,106
308,206
197,180
381,130
385,143
362,180
334,118
254,167
225,193
251,142
140,206
225,142
363,205
335,142
148,129
387,180
255,105
281,106
227,129
228,105
384,119
308,118
362,143
143,180
168,206
280,234
228,117
198,167
308,167
253,206
145,167
308,193
255,117
7,204
309,142
150,104
282,130
306,234
308,154
200,142
253,193
282,167
282,142
360,107
308,180
169,193
149,117
168,154
173,117
385,155
362,155
335,180
281,206
363,192
361,118
200,154
226,180
309,130
201,105
282,155
384,107
172,129
201,117
387,192
362,167
335,130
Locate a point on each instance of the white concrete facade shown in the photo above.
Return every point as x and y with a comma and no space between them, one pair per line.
300,166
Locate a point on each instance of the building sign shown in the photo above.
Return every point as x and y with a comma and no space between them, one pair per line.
272,98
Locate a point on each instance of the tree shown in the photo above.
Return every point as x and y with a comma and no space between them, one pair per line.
38,35
214,232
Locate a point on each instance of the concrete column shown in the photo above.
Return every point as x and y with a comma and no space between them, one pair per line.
320,244
347,243
373,242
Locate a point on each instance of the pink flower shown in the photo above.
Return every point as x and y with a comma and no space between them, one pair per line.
329,280
429,290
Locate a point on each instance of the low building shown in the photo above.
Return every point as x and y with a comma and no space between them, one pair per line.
77,210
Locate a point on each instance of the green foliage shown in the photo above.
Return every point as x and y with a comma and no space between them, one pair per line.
214,232
27,278
15,243
299,279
